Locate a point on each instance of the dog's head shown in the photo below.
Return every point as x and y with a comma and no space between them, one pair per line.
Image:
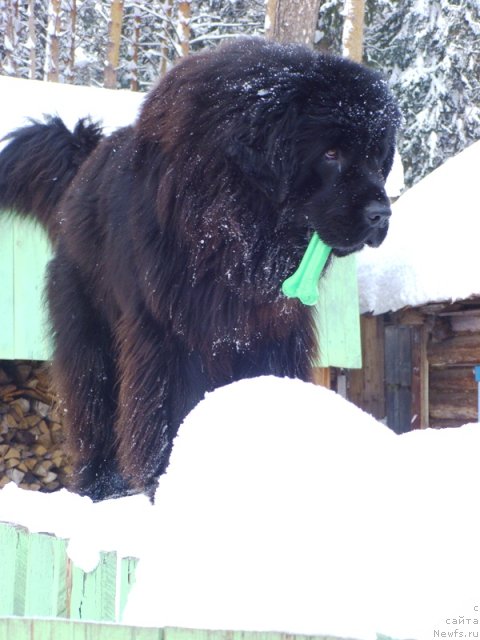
299,142
320,143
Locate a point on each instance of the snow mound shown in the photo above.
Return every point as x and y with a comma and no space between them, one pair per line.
430,253
287,508
113,525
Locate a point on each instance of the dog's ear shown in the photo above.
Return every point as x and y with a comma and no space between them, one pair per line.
253,165
267,160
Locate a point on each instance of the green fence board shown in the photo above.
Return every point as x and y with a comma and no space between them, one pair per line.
7,336
31,256
127,580
173,633
25,629
93,595
45,593
28,629
338,316
9,552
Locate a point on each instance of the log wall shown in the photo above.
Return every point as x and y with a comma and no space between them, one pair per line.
418,366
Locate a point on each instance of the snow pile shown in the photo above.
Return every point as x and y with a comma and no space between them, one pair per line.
287,508
89,527
431,251
24,99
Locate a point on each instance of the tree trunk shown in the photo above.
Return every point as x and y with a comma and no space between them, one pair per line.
184,15
352,38
10,39
292,20
52,52
113,48
71,35
168,12
32,39
137,21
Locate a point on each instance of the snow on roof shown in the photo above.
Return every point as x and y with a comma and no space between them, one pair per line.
24,99
431,251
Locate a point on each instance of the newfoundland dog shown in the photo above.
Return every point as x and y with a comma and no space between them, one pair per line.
173,237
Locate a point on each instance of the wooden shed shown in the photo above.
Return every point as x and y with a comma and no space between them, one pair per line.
418,366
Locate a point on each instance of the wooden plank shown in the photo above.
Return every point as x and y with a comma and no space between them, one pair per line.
9,547
459,350
31,256
452,379
337,316
30,629
45,594
420,382
366,387
398,377
322,376
127,580
6,288
93,595
458,405
173,633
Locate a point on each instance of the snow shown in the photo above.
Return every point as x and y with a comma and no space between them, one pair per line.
431,251
89,527
34,99
287,508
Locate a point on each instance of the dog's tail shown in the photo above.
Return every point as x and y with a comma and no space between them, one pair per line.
39,162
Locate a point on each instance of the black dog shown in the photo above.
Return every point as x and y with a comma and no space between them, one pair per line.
173,237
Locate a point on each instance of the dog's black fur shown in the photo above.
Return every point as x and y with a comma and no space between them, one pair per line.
173,236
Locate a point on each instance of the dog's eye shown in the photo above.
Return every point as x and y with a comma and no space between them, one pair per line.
331,154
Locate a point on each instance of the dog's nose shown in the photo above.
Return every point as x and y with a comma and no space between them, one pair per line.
377,214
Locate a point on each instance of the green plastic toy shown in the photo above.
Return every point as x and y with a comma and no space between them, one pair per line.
303,283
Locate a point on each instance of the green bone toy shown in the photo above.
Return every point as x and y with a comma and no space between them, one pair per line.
303,283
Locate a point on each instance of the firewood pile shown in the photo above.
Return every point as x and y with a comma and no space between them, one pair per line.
31,434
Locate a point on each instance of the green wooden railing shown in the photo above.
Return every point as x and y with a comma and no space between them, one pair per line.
24,255
38,579
44,596
18,629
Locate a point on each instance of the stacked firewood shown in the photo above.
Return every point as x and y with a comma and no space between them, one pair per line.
31,433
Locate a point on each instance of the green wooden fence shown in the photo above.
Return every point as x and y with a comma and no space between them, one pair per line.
24,255
18,629
38,579
43,596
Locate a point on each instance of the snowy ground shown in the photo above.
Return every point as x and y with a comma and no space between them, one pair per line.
287,508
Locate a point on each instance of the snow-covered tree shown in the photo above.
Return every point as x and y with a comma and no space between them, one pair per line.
11,20
432,49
